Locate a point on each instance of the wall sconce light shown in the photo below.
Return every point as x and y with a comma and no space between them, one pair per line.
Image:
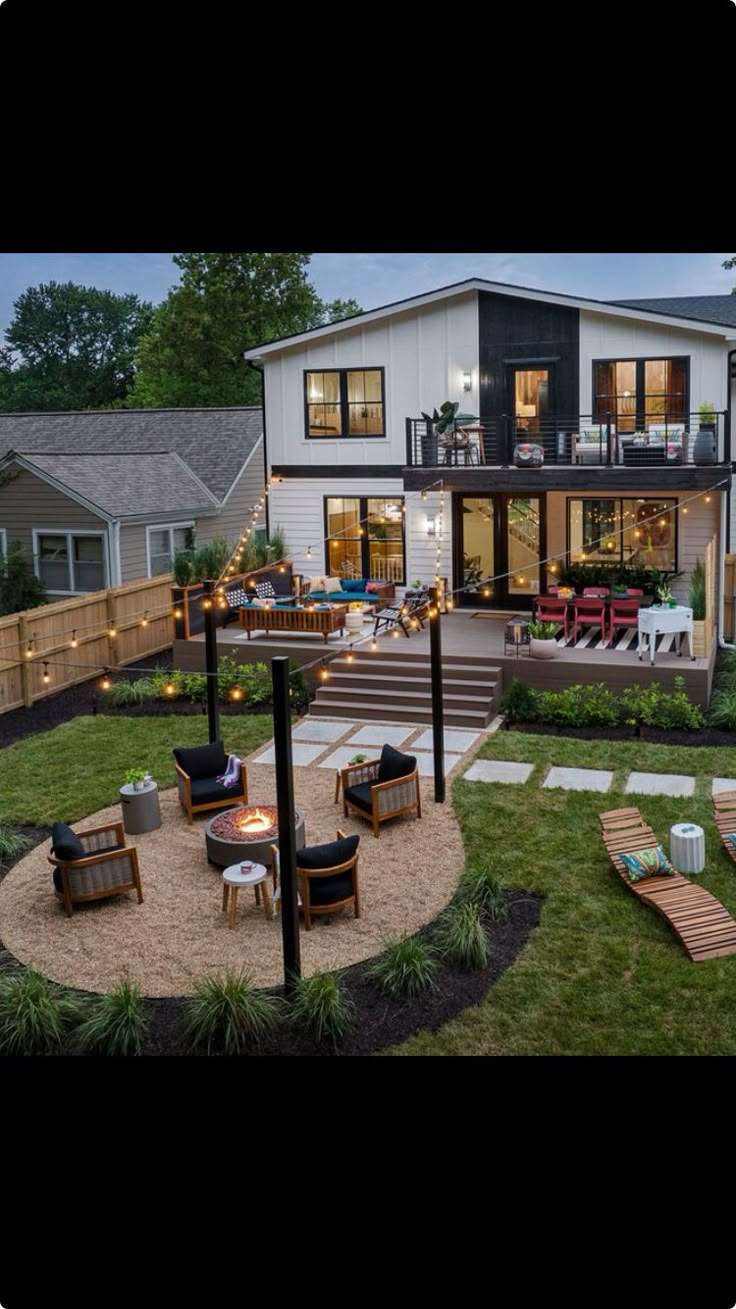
431,525
467,382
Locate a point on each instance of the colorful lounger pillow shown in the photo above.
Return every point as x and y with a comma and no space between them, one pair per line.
732,837
652,862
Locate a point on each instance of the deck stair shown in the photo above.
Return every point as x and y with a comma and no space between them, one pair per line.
393,686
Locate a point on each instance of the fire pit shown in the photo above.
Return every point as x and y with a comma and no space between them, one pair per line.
247,832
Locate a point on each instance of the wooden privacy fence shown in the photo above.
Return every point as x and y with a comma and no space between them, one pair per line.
72,640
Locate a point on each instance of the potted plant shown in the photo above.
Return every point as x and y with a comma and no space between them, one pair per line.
665,596
358,759
696,602
704,449
136,777
542,643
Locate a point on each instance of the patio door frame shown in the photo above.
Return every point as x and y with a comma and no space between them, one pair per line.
499,509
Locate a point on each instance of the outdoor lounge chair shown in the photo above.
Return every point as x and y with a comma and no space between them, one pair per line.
197,770
92,865
724,817
381,788
705,928
326,875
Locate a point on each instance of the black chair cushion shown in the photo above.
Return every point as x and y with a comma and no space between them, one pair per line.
330,890
208,791
394,764
202,761
105,849
360,795
65,843
328,855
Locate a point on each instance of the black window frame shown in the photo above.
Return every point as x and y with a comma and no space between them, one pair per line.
346,434
364,537
672,500
641,361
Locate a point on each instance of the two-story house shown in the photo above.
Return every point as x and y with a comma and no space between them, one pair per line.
589,444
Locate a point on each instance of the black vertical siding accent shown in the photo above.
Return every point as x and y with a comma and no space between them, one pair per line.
511,328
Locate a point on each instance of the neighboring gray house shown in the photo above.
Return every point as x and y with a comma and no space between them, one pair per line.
105,497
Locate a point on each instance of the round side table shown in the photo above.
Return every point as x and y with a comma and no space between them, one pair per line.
141,809
687,848
233,879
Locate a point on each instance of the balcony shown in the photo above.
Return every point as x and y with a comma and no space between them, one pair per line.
581,441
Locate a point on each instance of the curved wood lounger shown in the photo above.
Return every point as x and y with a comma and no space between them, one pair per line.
703,925
724,817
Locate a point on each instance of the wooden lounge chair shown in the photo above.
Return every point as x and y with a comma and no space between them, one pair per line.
704,927
724,817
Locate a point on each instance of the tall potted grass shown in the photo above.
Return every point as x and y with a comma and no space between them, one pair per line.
697,602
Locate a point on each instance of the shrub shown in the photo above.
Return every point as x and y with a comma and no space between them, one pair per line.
462,937
579,706
160,681
12,844
34,1014
301,693
19,587
226,1013
117,1023
519,702
406,969
479,887
722,711
725,674
182,566
131,691
696,594
649,706
195,687
323,1006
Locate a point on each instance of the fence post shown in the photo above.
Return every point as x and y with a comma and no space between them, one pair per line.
110,620
25,671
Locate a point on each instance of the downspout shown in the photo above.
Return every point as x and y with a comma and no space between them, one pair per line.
262,376
726,509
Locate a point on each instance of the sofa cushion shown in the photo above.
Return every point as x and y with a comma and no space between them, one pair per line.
202,761
360,796
207,791
353,584
330,890
65,843
395,765
373,587
315,584
328,855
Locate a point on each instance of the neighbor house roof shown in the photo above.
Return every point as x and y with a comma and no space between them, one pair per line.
704,308
613,308
127,485
213,443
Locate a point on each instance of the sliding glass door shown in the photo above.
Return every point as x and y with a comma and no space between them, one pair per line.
498,546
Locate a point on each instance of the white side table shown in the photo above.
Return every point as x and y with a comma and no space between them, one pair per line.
233,879
687,848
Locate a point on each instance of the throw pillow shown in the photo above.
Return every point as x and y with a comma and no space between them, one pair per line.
732,837
315,584
652,862
265,590
65,843
202,761
328,855
372,588
394,764
332,584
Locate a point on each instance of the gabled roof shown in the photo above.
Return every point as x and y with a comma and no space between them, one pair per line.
126,485
704,308
213,443
610,307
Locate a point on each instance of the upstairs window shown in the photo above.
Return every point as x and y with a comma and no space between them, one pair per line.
640,393
344,402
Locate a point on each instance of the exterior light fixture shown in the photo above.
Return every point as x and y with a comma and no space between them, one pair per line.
467,381
431,525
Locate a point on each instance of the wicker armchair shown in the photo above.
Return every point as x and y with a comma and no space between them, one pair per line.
197,770
324,885
108,867
381,788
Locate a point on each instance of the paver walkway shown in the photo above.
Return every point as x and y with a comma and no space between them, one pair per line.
590,779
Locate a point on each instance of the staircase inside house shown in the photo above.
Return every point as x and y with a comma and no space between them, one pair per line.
396,687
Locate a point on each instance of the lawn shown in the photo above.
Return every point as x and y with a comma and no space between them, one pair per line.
602,974
78,767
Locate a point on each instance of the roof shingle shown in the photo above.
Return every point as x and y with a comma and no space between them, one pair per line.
127,484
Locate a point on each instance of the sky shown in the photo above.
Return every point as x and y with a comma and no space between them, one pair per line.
377,279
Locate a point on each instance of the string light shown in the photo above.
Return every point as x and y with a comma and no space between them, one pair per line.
324,671
374,644
29,650
112,631
178,613
106,683
170,689
207,604
74,643
236,693
144,619
46,677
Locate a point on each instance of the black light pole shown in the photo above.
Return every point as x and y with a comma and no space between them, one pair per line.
438,709
210,655
287,834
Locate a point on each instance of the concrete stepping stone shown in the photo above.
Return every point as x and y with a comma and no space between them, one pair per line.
578,779
498,770
301,753
454,740
381,734
723,784
425,763
341,757
659,784
318,729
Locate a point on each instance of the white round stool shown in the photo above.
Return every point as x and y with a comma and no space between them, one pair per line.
687,848
233,879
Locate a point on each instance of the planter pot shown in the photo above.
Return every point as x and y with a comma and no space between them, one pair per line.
354,621
139,786
539,649
704,449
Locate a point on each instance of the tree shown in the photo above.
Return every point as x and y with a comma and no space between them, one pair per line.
731,263
226,303
19,587
337,310
70,347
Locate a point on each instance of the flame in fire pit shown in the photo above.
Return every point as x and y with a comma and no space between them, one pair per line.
256,822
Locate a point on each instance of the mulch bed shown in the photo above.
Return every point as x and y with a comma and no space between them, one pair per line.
705,736
380,1020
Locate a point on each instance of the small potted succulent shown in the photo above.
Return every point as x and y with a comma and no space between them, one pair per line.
136,777
358,759
542,643
665,596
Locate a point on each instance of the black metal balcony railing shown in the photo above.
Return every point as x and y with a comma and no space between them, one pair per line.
581,439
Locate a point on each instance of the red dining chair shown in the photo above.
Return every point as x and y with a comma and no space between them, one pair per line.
596,592
588,613
622,613
550,609
634,590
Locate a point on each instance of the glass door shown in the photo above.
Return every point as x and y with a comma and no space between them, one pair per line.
499,541
523,526
475,554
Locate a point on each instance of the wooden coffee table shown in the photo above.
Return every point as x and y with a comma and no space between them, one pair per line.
281,619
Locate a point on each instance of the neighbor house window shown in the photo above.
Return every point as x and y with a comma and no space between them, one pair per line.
163,543
640,532
70,561
3,543
365,537
640,392
344,402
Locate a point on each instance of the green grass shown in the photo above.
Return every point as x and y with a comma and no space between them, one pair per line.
602,974
78,767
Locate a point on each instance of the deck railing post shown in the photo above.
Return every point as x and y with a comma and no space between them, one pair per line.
506,441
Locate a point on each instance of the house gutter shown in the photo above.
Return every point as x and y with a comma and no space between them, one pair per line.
723,644
262,375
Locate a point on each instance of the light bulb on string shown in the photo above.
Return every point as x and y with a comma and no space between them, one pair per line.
144,619
46,678
170,689
112,631
74,643
106,683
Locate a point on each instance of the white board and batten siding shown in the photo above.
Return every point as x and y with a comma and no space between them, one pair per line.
602,337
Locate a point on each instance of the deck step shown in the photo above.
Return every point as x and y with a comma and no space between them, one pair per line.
380,695
391,687
357,709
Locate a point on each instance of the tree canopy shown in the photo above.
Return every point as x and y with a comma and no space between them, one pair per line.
70,347
731,263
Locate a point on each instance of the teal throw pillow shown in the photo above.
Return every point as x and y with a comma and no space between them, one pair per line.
652,862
